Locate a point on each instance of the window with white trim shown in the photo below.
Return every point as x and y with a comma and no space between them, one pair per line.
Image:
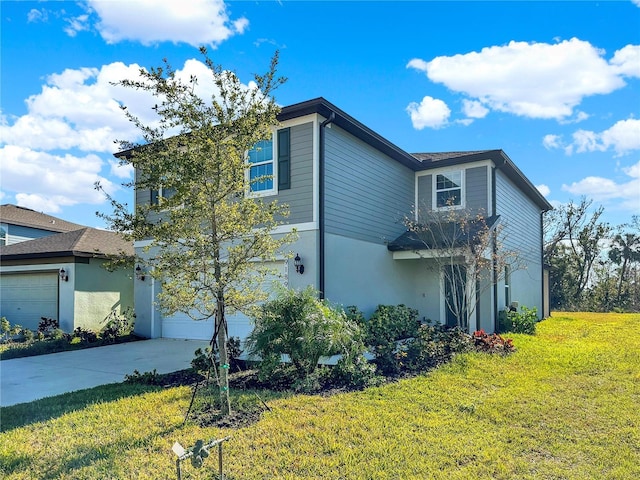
4,234
261,167
448,190
161,193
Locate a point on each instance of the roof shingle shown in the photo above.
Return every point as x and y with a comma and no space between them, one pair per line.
84,242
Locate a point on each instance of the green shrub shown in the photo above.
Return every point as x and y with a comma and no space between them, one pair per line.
524,321
433,346
387,325
84,335
58,334
146,378
5,327
27,335
303,327
118,325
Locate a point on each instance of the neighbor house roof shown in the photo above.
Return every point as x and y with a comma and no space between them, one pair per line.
441,235
84,242
25,217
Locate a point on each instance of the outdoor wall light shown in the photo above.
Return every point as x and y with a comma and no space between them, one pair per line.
63,275
298,264
140,273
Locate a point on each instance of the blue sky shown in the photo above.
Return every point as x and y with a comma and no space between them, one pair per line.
556,85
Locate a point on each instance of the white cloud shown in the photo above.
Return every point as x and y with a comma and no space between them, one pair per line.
624,195
78,111
536,80
36,15
430,112
195,22
552,141
77,24
51,180
623,137
544,190
121,171
474,109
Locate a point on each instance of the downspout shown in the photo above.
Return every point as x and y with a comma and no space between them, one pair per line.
542,289
321,196
495,252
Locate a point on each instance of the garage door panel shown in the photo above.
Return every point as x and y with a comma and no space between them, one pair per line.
239,324
26,297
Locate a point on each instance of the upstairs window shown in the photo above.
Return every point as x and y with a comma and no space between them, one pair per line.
161,193
261,169
448,190
4,234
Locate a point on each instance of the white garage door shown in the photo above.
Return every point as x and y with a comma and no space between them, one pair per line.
181,326
26,297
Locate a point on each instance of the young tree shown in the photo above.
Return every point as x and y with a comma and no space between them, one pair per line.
469,250
205,231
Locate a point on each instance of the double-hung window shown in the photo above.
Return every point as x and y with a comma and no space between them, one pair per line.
161,193
261,167
267,174
449,189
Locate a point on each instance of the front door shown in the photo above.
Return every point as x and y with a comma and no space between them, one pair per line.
454,295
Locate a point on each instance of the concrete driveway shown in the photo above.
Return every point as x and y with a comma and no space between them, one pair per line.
31,378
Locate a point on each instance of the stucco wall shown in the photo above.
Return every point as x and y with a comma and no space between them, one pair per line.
98,292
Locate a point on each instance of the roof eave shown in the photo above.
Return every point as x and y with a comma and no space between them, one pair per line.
345,121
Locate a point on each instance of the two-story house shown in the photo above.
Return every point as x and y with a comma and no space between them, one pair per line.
348,191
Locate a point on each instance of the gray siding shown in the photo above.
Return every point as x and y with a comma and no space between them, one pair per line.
476,189
18,233
425,193
299,197
367,193
520,220
476,196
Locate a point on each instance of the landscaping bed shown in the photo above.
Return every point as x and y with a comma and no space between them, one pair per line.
564,405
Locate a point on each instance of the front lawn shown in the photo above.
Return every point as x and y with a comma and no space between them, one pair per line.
565,405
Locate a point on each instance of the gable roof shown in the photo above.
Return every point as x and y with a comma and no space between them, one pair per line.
415,161
500,159
84,242
25,217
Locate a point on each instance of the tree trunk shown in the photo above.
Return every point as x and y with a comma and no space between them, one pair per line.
223,366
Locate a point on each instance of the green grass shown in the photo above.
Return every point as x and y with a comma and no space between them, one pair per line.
566,405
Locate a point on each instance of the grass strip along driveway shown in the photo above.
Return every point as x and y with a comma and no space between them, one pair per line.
565,405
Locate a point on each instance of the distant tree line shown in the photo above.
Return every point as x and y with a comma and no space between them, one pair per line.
593,266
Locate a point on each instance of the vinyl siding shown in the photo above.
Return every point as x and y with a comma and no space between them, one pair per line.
425,193
18,233
520,220
367,194
299,197
476,189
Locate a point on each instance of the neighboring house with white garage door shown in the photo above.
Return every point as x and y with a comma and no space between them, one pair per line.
348,190
61,276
